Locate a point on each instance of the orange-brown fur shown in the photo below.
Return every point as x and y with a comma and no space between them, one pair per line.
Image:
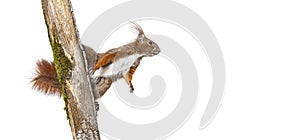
45,79
104,60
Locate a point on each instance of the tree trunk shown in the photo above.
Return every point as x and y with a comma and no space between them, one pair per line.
71,67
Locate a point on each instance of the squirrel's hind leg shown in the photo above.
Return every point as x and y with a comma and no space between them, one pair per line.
102,85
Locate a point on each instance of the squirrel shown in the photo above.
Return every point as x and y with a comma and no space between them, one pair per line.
105,68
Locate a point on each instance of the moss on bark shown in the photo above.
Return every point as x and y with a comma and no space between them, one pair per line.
63,68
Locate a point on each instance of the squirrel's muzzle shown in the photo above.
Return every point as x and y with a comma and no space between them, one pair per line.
156,51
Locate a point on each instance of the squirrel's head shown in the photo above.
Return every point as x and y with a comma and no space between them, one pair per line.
145,46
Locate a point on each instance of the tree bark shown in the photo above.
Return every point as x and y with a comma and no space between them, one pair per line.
71,66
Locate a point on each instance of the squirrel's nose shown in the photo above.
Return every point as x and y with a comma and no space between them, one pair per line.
156,50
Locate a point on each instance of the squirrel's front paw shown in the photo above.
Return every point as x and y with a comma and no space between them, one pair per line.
97,79
131,89
91,71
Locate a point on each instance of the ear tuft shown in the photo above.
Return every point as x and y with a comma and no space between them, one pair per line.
137,27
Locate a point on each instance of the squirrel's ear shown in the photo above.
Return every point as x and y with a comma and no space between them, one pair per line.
141,38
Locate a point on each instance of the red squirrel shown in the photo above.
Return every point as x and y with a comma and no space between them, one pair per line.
110,66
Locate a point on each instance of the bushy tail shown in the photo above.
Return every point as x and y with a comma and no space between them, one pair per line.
45,79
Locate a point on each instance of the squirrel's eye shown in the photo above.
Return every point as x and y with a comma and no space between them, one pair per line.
150,42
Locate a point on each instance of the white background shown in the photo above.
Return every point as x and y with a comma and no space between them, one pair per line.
259,39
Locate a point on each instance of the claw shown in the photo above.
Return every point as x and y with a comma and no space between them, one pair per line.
97,79
131,88
91,71
96,106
